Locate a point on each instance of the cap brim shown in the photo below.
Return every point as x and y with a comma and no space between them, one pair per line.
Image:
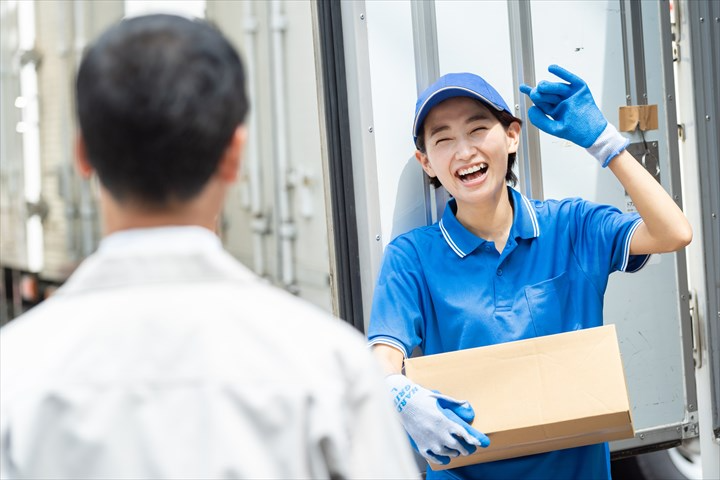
443,94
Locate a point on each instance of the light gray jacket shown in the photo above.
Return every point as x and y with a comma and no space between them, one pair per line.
163,357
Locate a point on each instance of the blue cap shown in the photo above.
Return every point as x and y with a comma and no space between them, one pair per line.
456,85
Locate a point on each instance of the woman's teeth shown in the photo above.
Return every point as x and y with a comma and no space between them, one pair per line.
482,168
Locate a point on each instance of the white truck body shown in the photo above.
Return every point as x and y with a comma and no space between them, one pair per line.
330,177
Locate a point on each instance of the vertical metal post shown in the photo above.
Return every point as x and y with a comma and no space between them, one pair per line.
523,62
346,270
253,163
427,70
633,52
671,135
427,61
286,229
87,210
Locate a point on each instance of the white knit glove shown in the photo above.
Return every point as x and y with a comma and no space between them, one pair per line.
438,425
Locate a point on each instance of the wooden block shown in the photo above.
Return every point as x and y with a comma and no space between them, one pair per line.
633,116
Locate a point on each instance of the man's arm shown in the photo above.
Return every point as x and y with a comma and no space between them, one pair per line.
379,447
665,227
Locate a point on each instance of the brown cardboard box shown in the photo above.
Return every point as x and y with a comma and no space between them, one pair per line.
535,395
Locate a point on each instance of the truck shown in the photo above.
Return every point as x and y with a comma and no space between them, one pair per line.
330,178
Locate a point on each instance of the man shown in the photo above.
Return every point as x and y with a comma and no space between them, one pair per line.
500,267
162,357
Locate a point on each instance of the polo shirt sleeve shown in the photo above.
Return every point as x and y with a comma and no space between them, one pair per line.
396,318
601,236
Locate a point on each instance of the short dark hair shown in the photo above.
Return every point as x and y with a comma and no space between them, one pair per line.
505,120
159,98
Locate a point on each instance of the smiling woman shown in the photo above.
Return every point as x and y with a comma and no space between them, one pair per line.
500,267
470,152
478,119
462,135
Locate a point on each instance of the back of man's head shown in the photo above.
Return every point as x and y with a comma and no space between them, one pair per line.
159,98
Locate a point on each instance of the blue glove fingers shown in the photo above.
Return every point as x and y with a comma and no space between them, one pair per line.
469,448
541,121
566,75
463,410
429,455
441,459
547,103
555,88
479,437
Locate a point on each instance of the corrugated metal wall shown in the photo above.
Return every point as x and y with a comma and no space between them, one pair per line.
285,122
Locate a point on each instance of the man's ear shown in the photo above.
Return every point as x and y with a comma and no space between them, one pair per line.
422,158
229,165
82,162
513,135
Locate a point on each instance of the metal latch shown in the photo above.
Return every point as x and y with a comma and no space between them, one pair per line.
695,325
647,154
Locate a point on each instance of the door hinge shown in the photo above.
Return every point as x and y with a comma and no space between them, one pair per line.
690,427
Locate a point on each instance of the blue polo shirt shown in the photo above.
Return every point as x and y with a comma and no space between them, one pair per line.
441,288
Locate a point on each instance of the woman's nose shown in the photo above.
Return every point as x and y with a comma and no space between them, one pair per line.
464,149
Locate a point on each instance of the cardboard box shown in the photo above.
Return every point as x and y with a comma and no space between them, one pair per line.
535,395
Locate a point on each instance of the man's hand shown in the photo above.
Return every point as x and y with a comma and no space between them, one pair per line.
438,425
568,110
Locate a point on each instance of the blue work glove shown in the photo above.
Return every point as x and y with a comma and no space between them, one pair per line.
567,110
438,425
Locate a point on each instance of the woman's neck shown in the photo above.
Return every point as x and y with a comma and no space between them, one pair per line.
490,221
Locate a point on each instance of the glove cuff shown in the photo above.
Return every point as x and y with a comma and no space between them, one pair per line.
608,145
402,390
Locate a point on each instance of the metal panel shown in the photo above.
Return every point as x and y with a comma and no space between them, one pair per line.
382,85
72,226
650,308
275,220
659,22
246,222
12,195
362,143
393,85
697,75
62,29
704,22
